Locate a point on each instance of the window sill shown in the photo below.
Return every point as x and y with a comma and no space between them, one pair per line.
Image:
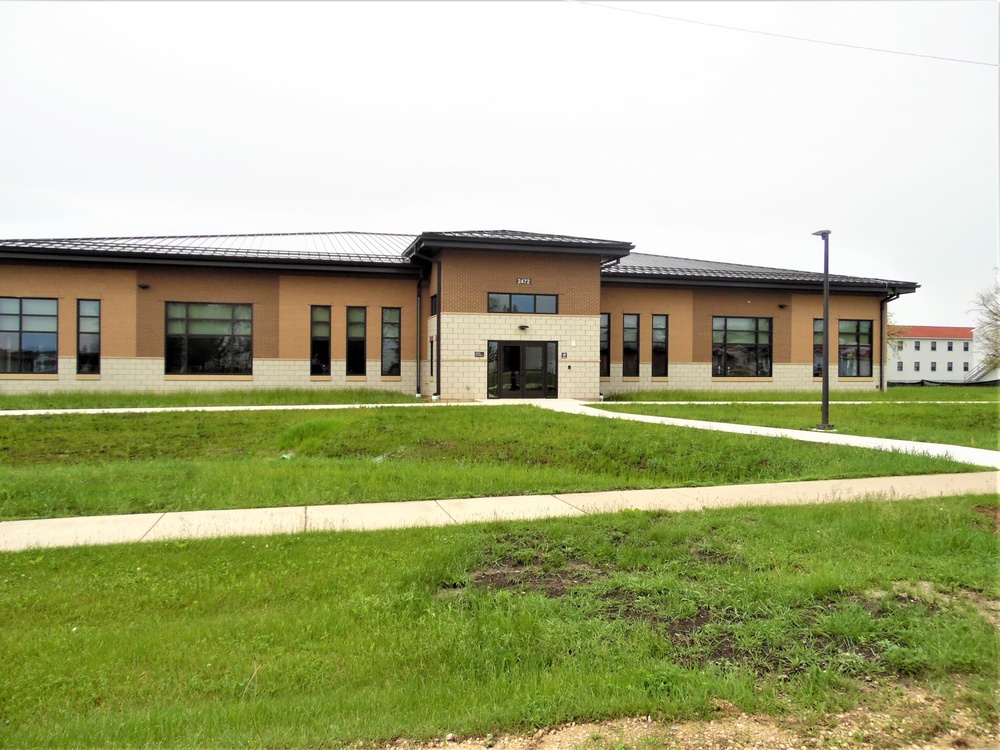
321,378
30,376
88,376
761,379
392,378
196,378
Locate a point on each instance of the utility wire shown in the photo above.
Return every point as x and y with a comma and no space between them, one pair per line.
784,36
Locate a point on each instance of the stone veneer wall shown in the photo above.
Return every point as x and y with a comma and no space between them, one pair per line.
698,377
146,374
463,375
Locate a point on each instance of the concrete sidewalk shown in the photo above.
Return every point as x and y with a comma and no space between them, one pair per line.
152,527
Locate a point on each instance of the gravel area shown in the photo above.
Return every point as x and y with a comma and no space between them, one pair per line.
911,720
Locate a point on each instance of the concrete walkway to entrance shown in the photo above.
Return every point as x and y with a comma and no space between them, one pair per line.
148,527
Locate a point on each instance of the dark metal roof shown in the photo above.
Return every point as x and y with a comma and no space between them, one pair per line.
660,268
350,247
505,239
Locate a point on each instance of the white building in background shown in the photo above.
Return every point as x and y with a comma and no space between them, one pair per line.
943,354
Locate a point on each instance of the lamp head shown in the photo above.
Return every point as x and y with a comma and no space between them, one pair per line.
822,233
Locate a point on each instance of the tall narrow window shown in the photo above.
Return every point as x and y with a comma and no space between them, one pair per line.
209,338
916,346
916,367
630,345
432,357
605,345
933,366
88,336
951,345
899,366
434,304
934,346
950,366
965,346
741,347
319,340
356,349
28,339
965,367
854,344
390,340
659,346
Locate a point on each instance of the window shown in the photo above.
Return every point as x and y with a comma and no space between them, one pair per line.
319,335
88,336
630,346
854,342
357,352
899,367
965,346
432,358
434,304
916,346
390,341
965,367
916,367
659,346
950,346
209,338
501,302
950,367
934,346
741,347
817,347
28,341
605,345
933,366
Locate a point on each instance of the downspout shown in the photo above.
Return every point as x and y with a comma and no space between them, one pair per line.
437,381
881,335
419,326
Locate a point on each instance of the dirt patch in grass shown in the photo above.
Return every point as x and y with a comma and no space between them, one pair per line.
992,512
532,577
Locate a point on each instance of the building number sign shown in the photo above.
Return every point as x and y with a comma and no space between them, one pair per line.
524,281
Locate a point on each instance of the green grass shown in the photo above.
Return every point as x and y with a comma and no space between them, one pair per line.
68,465
321,639
901,393
256,397
975,425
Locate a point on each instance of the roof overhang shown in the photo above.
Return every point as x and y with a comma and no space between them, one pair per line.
429,244
872,286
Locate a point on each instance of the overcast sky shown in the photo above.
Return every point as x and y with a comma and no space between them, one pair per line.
563,117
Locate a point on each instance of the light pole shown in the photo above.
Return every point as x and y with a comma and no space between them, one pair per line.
825,424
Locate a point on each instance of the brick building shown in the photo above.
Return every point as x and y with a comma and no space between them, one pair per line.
454,315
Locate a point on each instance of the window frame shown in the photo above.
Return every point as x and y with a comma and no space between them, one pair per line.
934,346
397,369
494,300
721,367
604,344
631,354
351,368
187,338
320,345
23,318
82,368
851,354
660,359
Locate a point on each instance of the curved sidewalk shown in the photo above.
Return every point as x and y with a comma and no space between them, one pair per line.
156,527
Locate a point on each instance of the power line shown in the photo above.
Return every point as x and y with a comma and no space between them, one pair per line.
784,36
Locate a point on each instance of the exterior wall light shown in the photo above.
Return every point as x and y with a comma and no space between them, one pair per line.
523,327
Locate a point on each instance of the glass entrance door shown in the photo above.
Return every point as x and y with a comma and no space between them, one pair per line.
522,369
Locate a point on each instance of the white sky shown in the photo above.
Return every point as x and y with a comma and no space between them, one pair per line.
198,118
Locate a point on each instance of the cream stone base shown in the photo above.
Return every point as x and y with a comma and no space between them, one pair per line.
698,377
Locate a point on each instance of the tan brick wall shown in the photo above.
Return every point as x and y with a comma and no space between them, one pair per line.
647,301
115,288
299,293
467,277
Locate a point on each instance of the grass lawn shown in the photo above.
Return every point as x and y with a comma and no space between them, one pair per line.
976,425
257,397
320,639
901,393
68,465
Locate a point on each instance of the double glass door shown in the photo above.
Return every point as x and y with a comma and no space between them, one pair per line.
522,369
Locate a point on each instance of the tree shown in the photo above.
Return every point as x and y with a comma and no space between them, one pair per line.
986,307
